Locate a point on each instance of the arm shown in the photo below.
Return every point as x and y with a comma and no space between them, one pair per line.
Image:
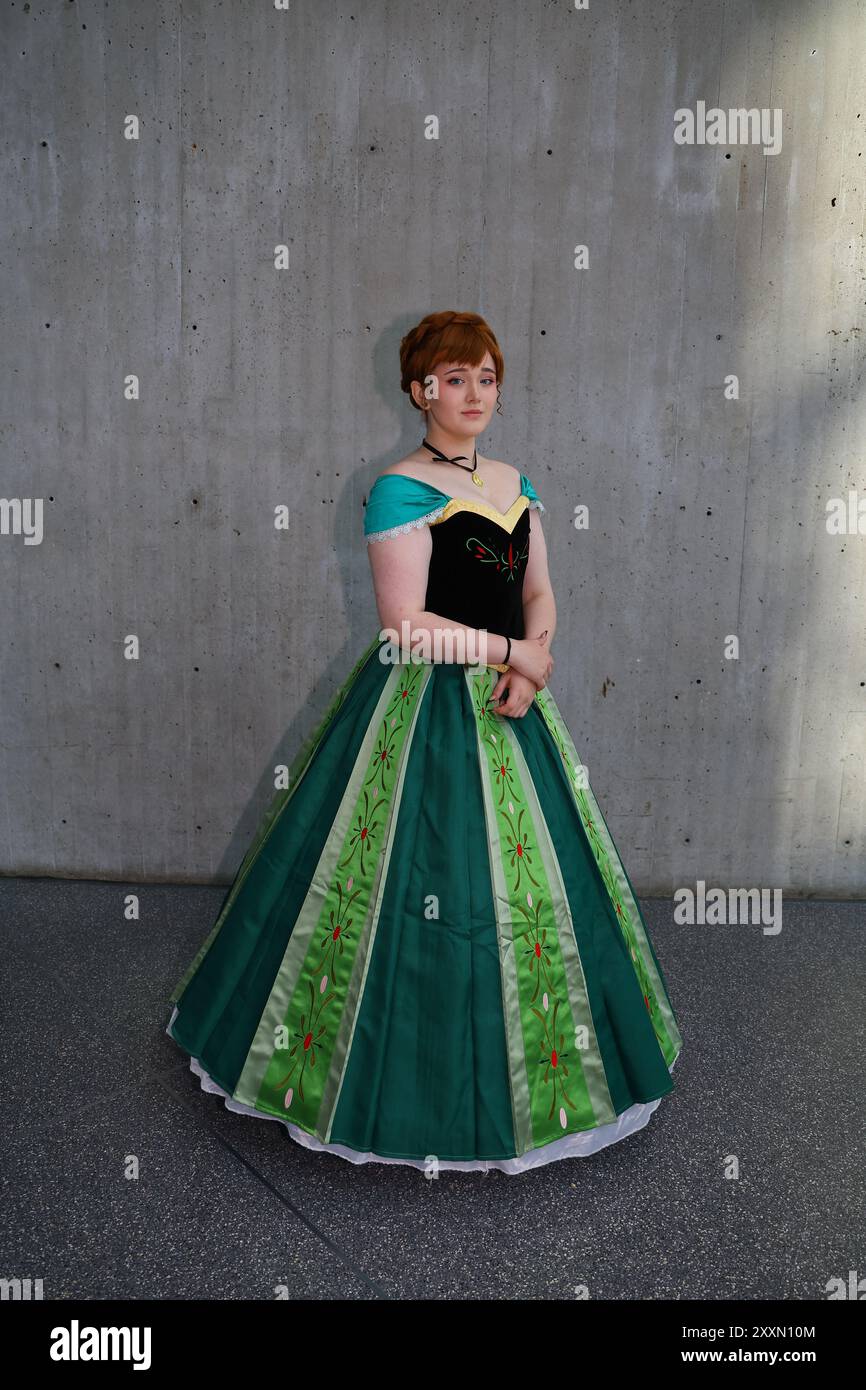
539,613
539,605
400,567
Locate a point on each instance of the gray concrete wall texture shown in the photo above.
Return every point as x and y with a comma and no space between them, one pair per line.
693,378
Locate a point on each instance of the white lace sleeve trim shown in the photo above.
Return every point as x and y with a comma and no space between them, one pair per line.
534,502
407,526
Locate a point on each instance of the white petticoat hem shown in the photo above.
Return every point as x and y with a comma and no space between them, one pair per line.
579,1145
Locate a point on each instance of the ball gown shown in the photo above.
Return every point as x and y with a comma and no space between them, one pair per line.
431,953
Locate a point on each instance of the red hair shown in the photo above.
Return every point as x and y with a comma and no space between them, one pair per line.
448,336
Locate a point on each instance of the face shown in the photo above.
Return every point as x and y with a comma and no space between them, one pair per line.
466,396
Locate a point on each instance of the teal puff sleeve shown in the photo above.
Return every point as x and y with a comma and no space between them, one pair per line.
398,504
529,491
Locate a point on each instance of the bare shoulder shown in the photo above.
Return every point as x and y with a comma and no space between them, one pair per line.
409,467
396,467
506,471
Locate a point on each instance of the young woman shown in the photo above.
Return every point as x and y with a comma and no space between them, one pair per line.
431,953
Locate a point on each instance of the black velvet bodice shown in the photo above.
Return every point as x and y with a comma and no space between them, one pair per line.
477,565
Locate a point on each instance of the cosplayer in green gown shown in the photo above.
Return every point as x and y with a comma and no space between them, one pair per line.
431,952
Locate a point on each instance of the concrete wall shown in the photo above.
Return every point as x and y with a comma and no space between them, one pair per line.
259,386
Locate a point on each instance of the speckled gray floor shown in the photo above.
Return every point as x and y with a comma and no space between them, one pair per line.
225,1206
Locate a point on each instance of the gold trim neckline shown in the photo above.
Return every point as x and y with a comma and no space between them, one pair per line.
507,520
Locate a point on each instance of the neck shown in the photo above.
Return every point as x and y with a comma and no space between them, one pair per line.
451,444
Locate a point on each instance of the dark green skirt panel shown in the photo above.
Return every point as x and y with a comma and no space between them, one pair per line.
226,987
427,1073
635,1066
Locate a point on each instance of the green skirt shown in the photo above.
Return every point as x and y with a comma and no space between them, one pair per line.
431,953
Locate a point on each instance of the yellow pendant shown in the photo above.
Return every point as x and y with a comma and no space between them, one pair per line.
478,481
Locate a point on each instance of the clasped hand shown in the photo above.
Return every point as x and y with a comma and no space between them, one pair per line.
531,664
